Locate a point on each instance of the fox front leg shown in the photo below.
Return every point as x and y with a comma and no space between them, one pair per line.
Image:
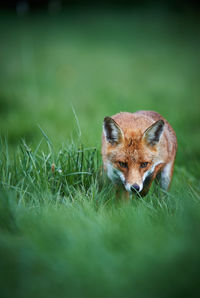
166,176
121,193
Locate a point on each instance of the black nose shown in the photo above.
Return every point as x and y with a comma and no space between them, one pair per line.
135,187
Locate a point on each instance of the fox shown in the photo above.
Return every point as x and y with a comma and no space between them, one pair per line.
138,148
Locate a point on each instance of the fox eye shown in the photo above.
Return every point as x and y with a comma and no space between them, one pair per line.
123,164
143,164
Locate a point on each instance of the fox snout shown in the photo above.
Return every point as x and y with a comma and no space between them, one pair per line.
130,179
135,188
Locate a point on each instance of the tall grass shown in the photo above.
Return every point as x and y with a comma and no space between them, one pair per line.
64,233
33,172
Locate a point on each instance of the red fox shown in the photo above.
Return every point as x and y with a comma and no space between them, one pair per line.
137,148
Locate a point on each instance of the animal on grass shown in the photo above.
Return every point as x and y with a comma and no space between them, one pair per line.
138,148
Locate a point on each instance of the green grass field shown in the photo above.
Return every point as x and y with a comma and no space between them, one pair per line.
63,233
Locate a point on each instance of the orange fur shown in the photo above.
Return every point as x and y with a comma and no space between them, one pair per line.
133,149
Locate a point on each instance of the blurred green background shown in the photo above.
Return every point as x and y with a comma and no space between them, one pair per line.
65,65
100,62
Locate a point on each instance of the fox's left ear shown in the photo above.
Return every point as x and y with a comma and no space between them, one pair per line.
112,131
153,133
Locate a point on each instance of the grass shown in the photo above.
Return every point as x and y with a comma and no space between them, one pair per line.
64,233
62,230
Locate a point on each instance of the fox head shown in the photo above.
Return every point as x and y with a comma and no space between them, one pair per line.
132,156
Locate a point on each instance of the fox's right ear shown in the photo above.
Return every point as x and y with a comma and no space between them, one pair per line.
112,131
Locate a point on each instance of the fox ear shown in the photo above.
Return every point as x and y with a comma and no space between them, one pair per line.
112,131
153,133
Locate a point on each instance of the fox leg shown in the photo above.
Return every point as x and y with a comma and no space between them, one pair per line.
166,175
122,193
